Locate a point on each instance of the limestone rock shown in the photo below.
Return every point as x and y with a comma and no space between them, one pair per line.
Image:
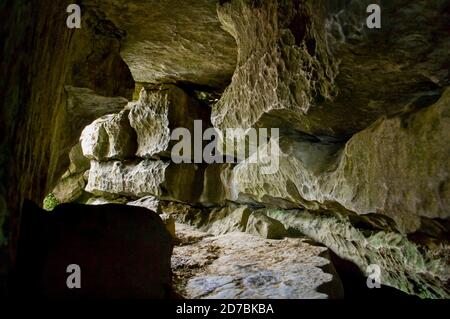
138,179
261,225
300,63
159,110
395,158
69,188
149,202
241,266
194,49
109,137
127,179
71,185
411,267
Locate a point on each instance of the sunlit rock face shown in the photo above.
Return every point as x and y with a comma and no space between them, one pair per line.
295,269
109,137
172,41
382,169
158,111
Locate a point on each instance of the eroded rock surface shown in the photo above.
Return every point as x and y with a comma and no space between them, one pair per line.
239,265
383,169
418,268
109,138
170,41
159,110
316,67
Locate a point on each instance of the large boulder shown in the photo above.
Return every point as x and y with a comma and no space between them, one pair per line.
109,137
241,266
138,179
158,111
121,251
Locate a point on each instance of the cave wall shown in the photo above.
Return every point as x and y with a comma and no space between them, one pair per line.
41,59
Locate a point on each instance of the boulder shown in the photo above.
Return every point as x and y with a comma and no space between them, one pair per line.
71,185
261,225
70,188
124,253
109,137
241,266
158,111
138,179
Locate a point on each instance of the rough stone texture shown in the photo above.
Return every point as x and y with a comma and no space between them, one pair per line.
383,169
149,202
304,66
316,67
70,188
159,110
411,267
137,179
133,179
240,266
109,137
104,241
260,224
170,41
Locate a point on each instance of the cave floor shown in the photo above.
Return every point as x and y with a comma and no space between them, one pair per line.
239,265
